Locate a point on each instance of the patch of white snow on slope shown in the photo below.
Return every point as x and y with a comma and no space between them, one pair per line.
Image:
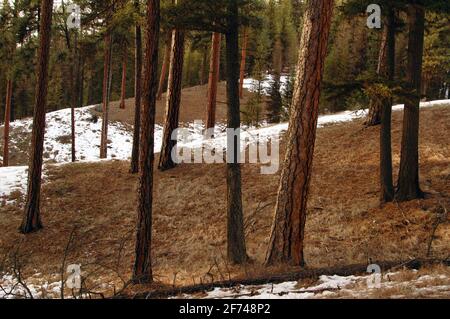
12,179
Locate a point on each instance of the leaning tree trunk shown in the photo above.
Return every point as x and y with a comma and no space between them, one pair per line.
9,88
243,61
137,95
374,117
213,81
287,238
106,87
124,77
164,68
237,252
387,70
173,100
142,272
408,182
32,218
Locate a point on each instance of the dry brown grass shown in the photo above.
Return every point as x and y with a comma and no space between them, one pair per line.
346,224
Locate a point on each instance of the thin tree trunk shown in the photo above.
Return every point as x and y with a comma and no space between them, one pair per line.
123,94
106,88
137,95
164,68
213,81
237,252
32,217
75,95
142,272
287,237
243,62
387,70
9,92
173,100
408,182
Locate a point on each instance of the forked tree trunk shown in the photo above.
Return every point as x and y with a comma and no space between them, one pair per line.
375,105
387,70
173,100
106,87
237,253
137,95
142,272
165,67
213,81
408,182
123,94
32,217
9,92
287,237
243,62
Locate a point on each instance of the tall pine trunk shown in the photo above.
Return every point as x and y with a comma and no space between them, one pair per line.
388,71
32,217
287,237
75,94
137,95
243,62
375,105
165,67
173,100
9,92
142,272
214,69
106,88
123,94
237,252
408,182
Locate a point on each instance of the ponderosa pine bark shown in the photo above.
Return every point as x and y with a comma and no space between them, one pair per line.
165,67
408,182
243,62
213,81
124,77
9,92
237,253
173,102
106,88
387,70
32,217
142,272
137,94
287,237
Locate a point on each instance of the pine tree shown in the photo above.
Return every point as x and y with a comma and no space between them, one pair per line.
214,69
287,237
32,218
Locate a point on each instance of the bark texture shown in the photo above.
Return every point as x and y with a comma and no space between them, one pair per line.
237,253
106,88
137,95
287,237
243,63
32,217
142,272
173,100
408,182
213,81
165,67
123,94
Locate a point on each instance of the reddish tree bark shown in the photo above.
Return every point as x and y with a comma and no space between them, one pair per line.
243,62
137,95
142,272
408,181
106,88
32,217
164,68
123,94
9,92
287,237
173,100
213,81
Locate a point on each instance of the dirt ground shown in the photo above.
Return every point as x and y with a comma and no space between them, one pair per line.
346,225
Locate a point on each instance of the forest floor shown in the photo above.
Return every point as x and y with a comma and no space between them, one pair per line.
89,214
